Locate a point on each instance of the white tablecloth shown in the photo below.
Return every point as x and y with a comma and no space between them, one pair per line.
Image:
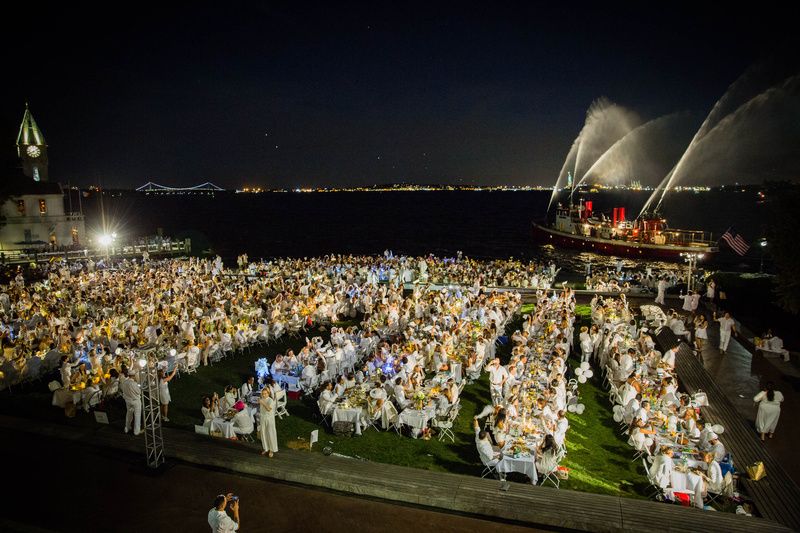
292,381
680,481
223,426
354,415
524,465
417,420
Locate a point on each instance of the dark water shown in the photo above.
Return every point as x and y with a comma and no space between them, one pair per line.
481,224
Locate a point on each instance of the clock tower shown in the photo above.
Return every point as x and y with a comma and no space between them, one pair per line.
31,148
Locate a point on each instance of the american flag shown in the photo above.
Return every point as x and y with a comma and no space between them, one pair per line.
736,242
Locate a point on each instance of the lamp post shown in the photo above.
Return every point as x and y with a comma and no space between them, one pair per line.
763,243
691,258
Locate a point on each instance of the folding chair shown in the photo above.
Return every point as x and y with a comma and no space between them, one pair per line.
393,417
552,477
489,469
280,404
445,425
324,417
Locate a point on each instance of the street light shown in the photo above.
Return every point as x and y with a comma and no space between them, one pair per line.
763,243
691,258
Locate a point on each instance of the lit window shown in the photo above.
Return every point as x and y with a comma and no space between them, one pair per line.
21,207
42,206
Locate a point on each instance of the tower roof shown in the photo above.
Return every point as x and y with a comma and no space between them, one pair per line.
29,132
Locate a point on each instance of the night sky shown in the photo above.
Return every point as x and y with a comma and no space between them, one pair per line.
302,95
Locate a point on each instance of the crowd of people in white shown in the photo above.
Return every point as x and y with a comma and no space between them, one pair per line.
92,324
524,430
682,453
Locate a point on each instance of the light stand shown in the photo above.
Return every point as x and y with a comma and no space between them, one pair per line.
151,409
691,258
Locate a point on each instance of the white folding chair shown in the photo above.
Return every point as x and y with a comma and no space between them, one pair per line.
324,417
280,404
489,469
393,417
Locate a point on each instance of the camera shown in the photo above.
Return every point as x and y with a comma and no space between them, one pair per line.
234,498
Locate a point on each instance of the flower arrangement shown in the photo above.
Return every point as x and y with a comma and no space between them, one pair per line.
419,400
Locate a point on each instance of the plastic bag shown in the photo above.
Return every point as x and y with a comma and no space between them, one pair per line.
756,471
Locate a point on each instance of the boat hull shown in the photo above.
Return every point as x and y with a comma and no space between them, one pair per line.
559,239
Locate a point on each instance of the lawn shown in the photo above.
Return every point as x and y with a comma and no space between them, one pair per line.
599,459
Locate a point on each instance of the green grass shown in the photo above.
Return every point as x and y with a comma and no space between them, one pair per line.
599,459
598,456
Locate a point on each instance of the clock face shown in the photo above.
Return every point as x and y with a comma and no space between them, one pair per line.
33,151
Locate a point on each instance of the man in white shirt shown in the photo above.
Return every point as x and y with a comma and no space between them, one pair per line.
669,357
247,388
497,378
400,395
727,325
132,394
219,520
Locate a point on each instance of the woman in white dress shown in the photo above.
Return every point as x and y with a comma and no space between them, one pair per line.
769,410
269,438
700,334
163,391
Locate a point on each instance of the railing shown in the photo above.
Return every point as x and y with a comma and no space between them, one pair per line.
155,248
33,219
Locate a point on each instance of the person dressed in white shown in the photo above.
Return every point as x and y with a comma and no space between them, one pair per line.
587,346
269,438
327,399
669,357
132,394
769,410
219,520
400,395
662,290
489,456
715,482
163,391
247,388
497,378
727,325
661,469
242,421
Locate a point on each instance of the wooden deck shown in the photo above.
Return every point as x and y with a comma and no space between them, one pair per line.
776,496
541,507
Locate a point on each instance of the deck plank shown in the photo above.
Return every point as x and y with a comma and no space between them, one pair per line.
777,496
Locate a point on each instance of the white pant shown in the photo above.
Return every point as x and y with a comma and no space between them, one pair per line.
134,415
724,339
496,392
660,298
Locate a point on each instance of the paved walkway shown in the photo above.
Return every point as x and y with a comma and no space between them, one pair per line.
483,499
68,497
741,375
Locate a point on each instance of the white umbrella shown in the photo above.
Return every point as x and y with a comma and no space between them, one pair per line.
581,379
580,408
589,373
578,371
585,365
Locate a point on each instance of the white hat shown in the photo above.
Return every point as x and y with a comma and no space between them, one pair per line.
712,436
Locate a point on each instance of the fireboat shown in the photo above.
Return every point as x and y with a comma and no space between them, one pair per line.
579,226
